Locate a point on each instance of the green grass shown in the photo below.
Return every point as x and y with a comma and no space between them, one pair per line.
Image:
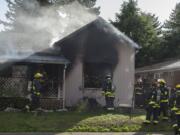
74,121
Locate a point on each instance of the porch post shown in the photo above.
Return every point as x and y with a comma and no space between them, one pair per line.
64,85
59,86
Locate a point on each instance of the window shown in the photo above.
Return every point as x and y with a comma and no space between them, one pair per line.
157,75
94,74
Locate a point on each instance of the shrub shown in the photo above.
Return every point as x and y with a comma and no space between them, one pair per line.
15,102
88,104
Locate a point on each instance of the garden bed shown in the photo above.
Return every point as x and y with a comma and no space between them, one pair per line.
76,122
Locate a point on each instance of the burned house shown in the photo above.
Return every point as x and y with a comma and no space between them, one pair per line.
77,65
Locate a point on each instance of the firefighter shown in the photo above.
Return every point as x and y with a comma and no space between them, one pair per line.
176,110
172,104
152,105
44,78
36,91
164,99
139,93
108,92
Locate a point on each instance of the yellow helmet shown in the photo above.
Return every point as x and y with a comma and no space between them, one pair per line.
38,75
161,81
178,86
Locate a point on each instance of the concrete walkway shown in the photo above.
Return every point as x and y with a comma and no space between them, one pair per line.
89,133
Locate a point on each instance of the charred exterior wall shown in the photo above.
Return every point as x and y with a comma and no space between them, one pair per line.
74,82
123,79
98,42
123,76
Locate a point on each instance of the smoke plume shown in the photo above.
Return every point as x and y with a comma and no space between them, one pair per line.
41,27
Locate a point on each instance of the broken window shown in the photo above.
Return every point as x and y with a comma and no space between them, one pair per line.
94,74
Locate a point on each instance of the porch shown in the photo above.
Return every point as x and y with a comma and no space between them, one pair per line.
16,79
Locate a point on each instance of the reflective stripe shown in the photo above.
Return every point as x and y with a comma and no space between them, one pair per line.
165,118
147,122
155,122
166,92
178,113
151,102
174,125
156,106
174,109
164,101
37,93
138,93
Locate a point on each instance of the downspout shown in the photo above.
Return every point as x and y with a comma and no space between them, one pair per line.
64,85
59,86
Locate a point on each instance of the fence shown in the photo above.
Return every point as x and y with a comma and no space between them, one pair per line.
50,89
13,86
18,87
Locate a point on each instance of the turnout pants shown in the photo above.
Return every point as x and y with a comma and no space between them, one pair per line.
109,102
152,112
164,110
177,125
35,103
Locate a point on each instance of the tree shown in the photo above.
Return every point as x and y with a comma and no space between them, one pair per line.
151,38
143,28
87,3
172,34
17,9
127,19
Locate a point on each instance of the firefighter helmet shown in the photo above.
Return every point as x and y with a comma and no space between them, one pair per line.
161,81
38,75
178,86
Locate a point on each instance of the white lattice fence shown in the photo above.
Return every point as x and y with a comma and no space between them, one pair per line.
50,89
10,87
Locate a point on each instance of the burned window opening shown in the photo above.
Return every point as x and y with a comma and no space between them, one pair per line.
94,74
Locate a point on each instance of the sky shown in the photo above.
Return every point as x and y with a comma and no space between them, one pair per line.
162,8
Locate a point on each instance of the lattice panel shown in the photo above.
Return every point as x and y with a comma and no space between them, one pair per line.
11,87
53,104
51,89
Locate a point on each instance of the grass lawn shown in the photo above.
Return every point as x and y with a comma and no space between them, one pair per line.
74,121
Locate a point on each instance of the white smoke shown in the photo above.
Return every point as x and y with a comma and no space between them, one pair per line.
36,32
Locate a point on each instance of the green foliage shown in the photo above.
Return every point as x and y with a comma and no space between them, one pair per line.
171,43
15,102
143,28
117,123
82,106
73,121
87,3
17,9
88,105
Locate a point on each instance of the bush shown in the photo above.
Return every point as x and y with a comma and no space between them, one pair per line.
3,103
15,102
88,104
82,106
